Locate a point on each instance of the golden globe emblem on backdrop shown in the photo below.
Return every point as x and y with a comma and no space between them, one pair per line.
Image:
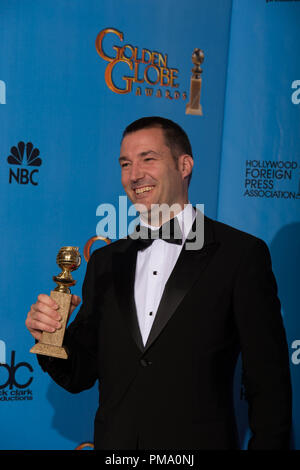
51,344
194,106
90,242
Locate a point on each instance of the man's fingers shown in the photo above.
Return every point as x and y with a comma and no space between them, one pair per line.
46,299
40,308
44,315
75,300
42,322
74,303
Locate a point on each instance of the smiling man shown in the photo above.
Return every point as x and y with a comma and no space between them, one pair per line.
161,327
156,166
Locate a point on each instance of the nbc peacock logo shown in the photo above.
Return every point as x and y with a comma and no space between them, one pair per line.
24,155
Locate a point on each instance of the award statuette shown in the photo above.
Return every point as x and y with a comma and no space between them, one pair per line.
194,106
51,344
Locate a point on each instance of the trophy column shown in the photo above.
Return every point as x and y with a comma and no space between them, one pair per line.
51,344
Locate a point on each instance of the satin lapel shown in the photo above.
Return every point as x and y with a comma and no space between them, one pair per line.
189,267
124,273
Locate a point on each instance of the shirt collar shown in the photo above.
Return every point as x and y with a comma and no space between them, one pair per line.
185,219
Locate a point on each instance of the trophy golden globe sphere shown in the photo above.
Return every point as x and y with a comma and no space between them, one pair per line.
197,59
197,56
68,259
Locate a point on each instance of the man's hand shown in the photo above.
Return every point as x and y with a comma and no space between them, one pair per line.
44,315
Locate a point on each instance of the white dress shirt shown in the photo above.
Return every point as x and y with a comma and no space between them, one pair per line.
153,268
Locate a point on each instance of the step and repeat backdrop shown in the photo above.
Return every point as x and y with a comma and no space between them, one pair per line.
73,75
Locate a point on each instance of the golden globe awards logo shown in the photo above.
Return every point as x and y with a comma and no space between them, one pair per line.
134,70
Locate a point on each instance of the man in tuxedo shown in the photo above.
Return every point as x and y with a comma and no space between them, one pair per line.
161,325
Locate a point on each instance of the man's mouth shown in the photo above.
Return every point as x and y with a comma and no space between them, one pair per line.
143,189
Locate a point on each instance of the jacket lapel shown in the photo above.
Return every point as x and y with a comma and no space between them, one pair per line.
124,264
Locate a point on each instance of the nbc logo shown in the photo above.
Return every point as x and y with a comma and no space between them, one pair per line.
23,175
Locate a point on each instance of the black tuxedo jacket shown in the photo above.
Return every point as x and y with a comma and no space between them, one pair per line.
177,391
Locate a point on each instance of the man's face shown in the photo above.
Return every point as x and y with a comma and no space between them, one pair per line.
149,172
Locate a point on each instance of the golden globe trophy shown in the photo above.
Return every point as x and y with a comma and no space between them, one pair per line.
51,344
194,106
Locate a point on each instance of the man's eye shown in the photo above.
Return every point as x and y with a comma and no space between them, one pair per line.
124,165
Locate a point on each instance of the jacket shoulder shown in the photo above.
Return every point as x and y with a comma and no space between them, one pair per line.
107,250
228,234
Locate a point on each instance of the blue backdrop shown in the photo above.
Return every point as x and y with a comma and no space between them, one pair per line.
63,107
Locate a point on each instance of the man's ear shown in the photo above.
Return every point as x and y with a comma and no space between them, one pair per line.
185,165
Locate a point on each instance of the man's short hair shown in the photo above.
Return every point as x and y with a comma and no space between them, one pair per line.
175,137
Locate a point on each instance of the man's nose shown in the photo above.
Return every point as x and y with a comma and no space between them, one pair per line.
136,172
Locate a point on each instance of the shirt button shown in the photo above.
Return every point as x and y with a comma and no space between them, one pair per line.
154,273
145,362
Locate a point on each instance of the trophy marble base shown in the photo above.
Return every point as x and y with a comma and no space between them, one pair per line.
51,344
195,111
49,350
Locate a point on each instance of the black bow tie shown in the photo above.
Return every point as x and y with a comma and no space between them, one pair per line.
169,232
